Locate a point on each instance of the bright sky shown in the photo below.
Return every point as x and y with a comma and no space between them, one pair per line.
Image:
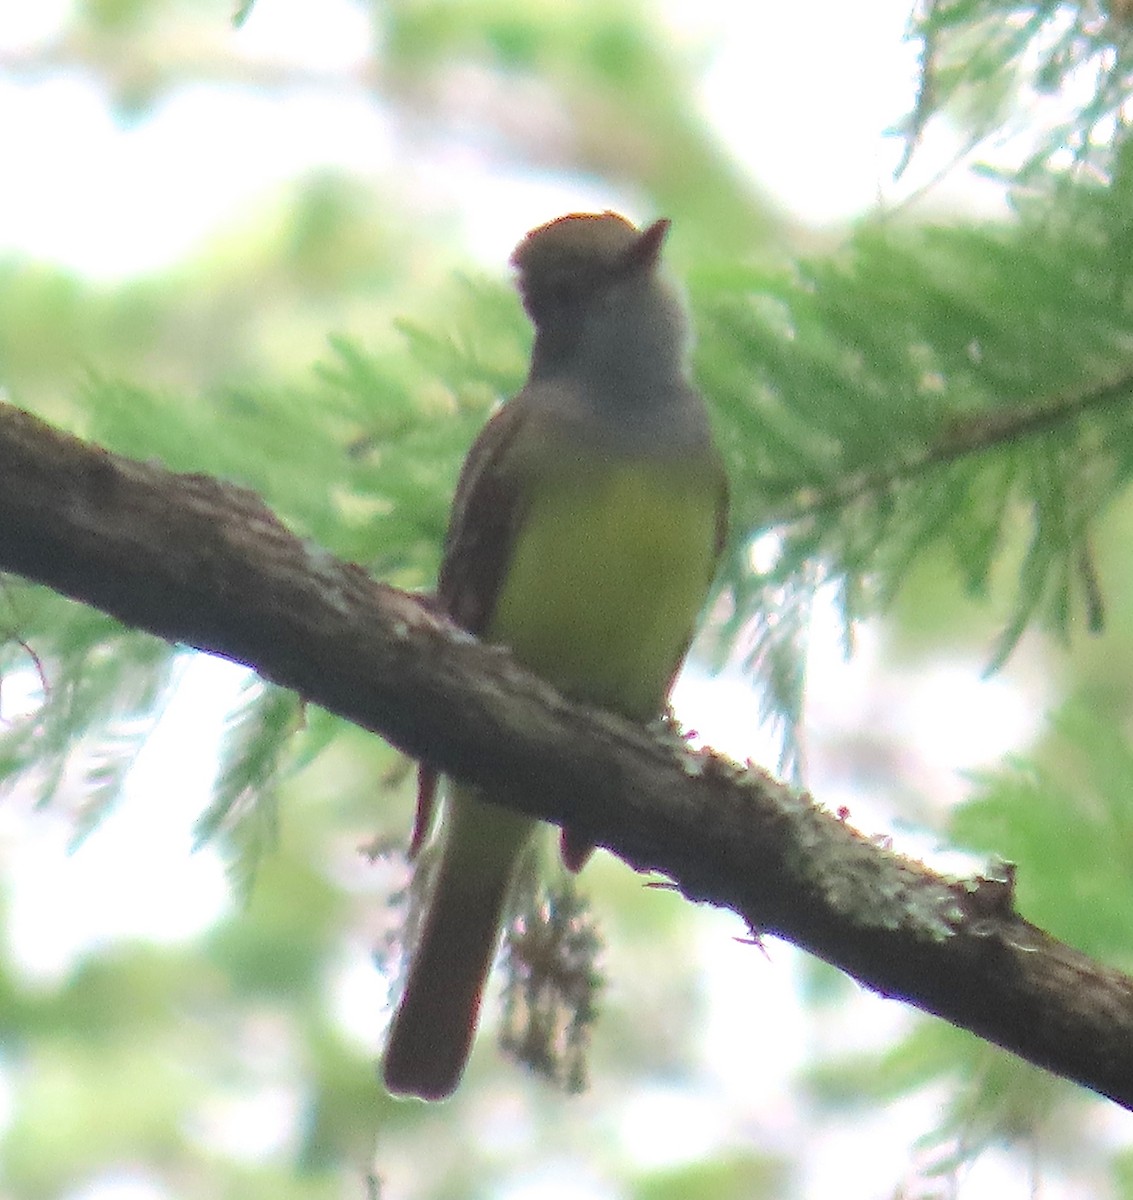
111,202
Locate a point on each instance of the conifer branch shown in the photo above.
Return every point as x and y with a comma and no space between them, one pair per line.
970,436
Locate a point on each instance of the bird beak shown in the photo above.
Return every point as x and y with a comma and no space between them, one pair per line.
644,253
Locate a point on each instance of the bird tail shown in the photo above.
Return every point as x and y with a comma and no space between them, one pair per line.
432,1030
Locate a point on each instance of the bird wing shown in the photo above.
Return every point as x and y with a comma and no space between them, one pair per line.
486,516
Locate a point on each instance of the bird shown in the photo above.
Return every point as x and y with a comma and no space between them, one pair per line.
585,531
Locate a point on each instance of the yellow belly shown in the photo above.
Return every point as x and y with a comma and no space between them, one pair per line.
606,579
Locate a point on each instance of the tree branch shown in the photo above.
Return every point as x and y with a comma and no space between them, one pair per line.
204,563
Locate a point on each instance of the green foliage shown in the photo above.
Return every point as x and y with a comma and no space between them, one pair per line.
928,409
961,390
737,1177
261,728
90,686
1070,806
931,386
988,1099
985,62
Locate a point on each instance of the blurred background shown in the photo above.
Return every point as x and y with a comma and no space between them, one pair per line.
270,242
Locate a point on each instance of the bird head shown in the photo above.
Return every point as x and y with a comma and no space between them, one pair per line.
570,263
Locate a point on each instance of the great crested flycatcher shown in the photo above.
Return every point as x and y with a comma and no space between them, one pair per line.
584,535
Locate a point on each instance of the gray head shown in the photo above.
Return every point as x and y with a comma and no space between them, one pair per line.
601,309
